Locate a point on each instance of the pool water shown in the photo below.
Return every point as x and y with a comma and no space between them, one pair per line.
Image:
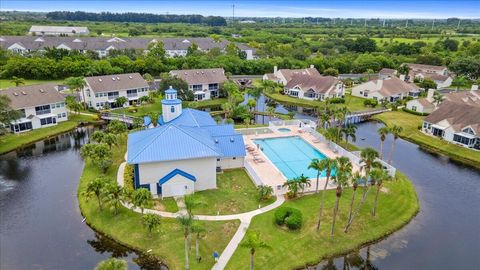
291,155
284,129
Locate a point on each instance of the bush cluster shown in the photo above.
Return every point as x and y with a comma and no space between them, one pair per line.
337,100
128,177
414,112
290,217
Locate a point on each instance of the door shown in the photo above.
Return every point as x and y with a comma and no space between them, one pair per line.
179,190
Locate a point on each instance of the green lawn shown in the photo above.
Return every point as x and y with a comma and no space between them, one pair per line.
354,104
167,243
424,39
11,141
410,124
7,83
166,204
235,193
294,250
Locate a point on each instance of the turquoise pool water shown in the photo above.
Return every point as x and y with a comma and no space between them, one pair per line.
291,155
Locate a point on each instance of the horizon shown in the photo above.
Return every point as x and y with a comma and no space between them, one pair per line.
383,9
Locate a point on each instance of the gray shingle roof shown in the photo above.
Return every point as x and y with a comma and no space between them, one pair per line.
116,82
33,95
201,76
319,84
458,115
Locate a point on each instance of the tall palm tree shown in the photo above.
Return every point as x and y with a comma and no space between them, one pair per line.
383,132
349,131
120,101
293,186
198,230
328,165
141,198
331,134
191,202
304,182
76,84
315,164
395,130
227,109
368,156
18,81
253,242
96,188
324,120
354,183
378,176
186,223
114,195
344,170
437,98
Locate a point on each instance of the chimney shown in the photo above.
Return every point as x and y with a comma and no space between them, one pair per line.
402,77
430,94
275,70
312,66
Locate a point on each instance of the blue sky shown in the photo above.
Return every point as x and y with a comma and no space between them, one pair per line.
261,8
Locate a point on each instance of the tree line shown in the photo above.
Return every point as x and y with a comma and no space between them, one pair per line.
135,17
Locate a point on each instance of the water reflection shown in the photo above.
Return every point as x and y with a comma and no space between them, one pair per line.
359,259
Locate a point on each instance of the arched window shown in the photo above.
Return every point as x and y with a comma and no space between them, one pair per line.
172,109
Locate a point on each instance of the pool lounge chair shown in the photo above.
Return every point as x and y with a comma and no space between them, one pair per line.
258,160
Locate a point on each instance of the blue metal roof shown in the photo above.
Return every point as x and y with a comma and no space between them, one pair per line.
147,121
170,91
171,101
169,142
230,145
193,118
171,174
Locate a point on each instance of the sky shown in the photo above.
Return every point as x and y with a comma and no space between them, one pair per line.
280,8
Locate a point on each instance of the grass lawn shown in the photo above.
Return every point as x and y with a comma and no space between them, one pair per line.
294,250
12,141
167,243
7,83
410,124
167,204
354,104
236,193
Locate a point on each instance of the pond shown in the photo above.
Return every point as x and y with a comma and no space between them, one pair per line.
446,232
40,224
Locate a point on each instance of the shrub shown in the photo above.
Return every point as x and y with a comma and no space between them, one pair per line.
290,217
414,112
128,177
370,102
337,100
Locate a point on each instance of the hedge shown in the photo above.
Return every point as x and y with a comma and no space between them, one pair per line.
291,217
128,177
414,112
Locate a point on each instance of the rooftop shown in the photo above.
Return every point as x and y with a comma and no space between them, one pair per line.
33,95
201,76
116,82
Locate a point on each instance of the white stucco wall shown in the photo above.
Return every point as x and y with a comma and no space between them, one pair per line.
230,163
176,186
203,169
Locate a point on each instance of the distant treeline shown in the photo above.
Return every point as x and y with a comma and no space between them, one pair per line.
135,17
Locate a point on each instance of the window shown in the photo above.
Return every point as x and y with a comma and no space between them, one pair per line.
361,92
132,93
365,94
197,87
59,115
462,140
21,127
172,109
48,121
44,109
112,95
414,108
234,158
64,114
213,86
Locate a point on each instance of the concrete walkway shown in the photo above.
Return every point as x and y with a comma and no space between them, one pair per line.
245,219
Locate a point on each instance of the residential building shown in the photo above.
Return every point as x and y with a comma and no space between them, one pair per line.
47,30
314,87
101,92
40,105
421,105
174,47
387,73
390,89
184,153
455,122
439,74
283,76
204,83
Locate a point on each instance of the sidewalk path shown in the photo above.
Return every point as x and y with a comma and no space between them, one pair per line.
245,219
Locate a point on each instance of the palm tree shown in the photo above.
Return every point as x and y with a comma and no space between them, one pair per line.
141,198
378,176
459,81
354,183
227,109
304,182
270,111
395,130
191,202
293,185
251,103
198,230
437,98
368,156
77,84
186,223
315,164
265,192
328,165
151,221
96,188
18,81
383,132
349,131
331,134
324,120
112,264
120,101
247,121
253,242
114,195
404,69
344,170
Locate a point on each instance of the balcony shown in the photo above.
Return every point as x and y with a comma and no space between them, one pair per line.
40,112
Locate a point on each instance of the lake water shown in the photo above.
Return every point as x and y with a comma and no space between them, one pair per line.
446,232
40,222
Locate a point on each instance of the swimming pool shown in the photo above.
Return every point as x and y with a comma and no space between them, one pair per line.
284,129
291,155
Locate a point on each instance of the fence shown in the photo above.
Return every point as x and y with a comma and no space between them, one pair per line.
254,131
253,175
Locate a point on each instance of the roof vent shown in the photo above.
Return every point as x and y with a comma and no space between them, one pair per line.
23,93
213,71
130,77
232,139
118,78
15,94
203,72
100,80
216,140
39,40
113,78
42,91
77,40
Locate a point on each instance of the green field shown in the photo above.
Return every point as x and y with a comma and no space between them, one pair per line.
6,83
410,124
354,104
9,142
296,249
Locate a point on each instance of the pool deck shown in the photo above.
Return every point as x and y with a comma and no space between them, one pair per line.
269,174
